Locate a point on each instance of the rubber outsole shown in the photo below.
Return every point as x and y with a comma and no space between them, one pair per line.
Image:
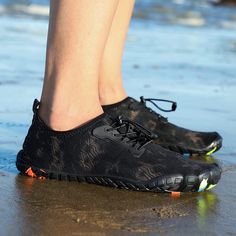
213,147
170,183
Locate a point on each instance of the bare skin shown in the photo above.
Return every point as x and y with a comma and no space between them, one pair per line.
111,89
78,31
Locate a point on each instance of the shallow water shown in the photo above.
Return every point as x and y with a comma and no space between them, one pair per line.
185,52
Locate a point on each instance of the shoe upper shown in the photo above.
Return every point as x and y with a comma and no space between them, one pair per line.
169,135
104,147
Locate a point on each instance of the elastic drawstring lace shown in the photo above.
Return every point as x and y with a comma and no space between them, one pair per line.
151,100
135,133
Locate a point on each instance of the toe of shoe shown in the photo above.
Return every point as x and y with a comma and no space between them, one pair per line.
209,178
214,143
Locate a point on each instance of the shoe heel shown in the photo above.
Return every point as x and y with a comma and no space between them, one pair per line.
27,169
21,165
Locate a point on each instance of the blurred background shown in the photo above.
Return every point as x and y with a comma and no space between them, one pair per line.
183,50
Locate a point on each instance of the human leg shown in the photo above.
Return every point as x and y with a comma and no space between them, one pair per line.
111,88
77,34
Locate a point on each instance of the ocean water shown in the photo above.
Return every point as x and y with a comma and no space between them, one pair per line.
179,50
183,50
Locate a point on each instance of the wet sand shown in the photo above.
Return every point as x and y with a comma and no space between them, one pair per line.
35,207
193,65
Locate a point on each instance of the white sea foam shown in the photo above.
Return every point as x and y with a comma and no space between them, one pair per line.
193,21
228,24
2,9
33,9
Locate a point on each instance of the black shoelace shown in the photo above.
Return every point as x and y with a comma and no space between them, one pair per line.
132,133
151,100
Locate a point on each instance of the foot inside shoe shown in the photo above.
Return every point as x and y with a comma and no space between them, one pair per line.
170,136
116,153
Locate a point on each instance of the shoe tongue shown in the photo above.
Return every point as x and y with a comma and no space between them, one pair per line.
130,103
134,104
130,99
124,103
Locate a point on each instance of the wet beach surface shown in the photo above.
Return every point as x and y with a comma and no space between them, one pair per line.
180,51
34,207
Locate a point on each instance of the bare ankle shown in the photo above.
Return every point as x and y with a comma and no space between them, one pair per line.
111,95
63,121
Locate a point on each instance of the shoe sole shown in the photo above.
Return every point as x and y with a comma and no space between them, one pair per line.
170,183
213,147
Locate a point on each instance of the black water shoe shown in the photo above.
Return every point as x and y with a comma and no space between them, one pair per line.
170,136
112,152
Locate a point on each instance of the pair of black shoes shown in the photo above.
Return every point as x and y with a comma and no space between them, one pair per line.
135,152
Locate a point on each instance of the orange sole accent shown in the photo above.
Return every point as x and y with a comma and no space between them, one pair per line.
30,173
175,194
